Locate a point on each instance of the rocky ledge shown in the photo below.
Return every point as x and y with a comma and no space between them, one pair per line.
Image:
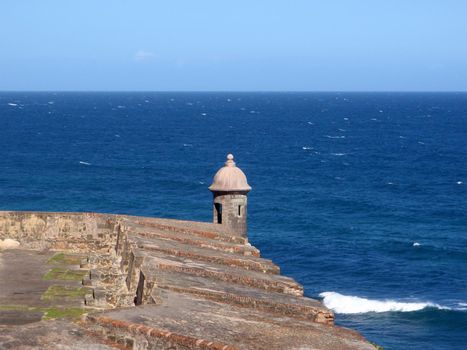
98,281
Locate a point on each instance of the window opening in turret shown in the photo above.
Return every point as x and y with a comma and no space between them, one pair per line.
218,207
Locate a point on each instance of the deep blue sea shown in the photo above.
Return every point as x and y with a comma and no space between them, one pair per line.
360,196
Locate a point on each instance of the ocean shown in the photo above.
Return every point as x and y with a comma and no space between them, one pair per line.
361,197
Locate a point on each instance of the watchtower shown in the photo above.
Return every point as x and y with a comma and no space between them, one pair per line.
230,189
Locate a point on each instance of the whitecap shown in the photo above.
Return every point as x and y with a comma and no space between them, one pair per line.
338,154
84,163
346,118
416,244
459,182
51,102
187,145
307,147
204,114
12,104
348,304
310,123
335,137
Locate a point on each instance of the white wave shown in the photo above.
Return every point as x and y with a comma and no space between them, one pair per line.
459,182
12,104
416,244
348,304
335,137
84,163
338,154
307,147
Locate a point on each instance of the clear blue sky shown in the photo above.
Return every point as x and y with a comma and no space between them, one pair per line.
233,45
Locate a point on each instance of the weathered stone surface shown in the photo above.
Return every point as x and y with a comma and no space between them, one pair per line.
53,335
196,286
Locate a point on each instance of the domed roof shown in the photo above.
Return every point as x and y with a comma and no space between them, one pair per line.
229,178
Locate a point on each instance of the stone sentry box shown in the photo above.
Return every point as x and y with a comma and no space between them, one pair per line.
230,189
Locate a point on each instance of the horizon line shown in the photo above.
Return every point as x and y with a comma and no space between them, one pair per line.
238,91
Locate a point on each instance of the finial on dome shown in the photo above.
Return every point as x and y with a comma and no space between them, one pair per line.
230,161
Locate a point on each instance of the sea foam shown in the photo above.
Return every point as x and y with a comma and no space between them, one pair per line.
348,304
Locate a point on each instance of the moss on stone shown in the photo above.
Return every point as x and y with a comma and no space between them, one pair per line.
64,292
48,312
65,259
72,312
58,273
17,308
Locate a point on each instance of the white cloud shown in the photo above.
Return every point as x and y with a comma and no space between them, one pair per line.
142,55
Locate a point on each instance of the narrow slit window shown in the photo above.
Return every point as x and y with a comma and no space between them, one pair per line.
239,210
218,207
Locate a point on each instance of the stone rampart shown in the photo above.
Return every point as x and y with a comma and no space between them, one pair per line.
171,284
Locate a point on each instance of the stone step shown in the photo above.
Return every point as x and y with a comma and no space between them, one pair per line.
243,249
215,232
276,283
248,297
188,322
177,249
163,339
